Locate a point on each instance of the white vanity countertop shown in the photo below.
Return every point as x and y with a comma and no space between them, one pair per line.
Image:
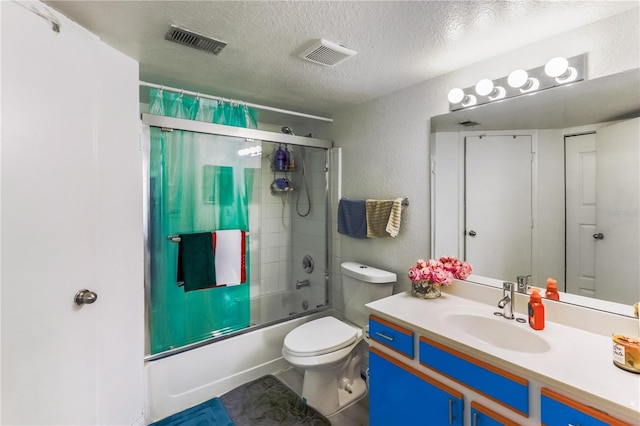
579,361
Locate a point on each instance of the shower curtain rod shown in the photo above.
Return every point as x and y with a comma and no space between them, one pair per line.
218,98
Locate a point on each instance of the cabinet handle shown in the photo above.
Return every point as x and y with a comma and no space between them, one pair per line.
475,419
450,411
384,336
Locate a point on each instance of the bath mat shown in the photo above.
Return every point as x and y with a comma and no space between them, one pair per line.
269,402
209,413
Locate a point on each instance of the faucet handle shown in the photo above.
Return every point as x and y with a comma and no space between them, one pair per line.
507,286
523,284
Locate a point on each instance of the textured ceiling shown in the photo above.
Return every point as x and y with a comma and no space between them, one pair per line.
398,43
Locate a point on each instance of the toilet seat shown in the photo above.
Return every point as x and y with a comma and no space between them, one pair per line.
319,337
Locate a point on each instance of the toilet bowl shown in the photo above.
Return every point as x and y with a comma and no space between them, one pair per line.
330,350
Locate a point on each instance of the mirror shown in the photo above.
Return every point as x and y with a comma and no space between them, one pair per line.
551,119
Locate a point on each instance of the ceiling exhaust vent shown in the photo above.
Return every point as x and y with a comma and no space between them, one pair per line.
326,53
195,40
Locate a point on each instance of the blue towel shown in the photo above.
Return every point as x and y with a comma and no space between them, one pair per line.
352,218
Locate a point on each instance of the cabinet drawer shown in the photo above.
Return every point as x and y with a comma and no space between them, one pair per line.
503,387
391,335
558,409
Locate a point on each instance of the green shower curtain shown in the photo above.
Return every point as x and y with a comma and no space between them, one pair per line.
198,183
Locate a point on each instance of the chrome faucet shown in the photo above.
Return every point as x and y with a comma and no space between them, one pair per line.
523,284
303,283
506,303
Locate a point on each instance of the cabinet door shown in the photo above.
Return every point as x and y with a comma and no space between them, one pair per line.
483,416
400,395
557,409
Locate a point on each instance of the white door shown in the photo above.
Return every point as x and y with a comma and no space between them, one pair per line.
498,217
580,182
49,342
62,191
618,212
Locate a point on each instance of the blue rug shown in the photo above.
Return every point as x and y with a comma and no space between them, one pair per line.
209,413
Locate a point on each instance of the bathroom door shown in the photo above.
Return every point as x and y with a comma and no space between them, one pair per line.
498,234
70,220
580,181
618,213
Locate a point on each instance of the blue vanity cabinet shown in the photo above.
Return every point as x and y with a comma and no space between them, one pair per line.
483,416
557,409
400,395
500,386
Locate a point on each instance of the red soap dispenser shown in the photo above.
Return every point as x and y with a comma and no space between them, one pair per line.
552,290
536,310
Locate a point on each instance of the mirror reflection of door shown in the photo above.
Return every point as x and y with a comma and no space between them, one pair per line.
618,194
603,209
498,206
580,193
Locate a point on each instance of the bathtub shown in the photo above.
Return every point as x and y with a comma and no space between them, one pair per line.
272,307
183,380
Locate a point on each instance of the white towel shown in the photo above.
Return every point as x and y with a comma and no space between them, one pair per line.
393,226
230,257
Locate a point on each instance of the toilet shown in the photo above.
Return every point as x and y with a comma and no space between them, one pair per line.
329,350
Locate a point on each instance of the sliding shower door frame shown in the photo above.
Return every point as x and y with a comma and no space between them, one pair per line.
170,123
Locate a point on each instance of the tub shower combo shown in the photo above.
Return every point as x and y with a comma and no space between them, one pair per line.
204,177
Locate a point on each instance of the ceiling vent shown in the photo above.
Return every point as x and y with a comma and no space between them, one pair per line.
326,53
195,40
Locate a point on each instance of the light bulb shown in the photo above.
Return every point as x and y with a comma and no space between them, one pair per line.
568,76
498,92
556,67
518,78
484,87
456,95
469,100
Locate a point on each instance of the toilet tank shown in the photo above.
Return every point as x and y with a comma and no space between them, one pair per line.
362,284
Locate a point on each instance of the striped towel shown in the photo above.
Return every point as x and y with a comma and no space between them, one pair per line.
378,212
393,225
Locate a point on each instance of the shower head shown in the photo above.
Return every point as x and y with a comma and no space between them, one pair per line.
287,130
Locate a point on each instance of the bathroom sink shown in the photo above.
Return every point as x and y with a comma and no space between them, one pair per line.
497,331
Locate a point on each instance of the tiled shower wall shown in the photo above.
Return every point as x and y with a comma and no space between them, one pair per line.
281,238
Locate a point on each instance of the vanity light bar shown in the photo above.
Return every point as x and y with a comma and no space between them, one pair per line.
557,72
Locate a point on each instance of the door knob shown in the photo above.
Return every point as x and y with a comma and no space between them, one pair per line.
472,233
85,297
598,236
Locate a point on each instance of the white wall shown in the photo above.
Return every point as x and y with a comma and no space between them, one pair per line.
385,141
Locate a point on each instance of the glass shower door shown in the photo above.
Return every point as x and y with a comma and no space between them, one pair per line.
198,183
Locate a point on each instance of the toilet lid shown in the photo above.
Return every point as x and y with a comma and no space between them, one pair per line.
320,336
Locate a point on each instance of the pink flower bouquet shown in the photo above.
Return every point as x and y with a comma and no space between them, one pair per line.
439,272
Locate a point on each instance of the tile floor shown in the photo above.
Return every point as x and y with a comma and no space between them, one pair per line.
356,415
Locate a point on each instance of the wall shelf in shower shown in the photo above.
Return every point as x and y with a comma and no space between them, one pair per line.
277,191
